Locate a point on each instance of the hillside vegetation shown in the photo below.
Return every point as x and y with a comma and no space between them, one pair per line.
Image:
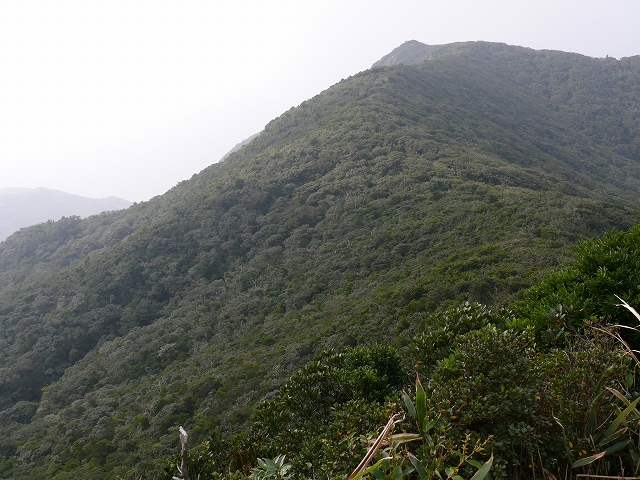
396,194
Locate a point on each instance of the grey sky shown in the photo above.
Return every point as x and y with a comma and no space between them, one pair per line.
129,97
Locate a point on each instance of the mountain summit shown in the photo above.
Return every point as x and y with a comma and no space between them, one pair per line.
441,175
410,53
413,52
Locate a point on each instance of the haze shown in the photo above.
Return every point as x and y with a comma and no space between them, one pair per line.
128,98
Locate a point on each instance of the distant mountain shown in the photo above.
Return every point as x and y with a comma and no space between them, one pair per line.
443,174
23,207
239,145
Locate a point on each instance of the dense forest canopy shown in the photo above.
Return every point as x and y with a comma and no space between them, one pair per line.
442,175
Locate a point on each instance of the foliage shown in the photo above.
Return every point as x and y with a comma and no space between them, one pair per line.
612,442
269,469
493,380
321,416
440,331
603,268
437,456
349,220
493,391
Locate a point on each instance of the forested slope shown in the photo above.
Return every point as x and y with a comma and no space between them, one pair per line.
397,192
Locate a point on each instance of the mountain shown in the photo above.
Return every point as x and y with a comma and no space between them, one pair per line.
413,186
239,145
22,207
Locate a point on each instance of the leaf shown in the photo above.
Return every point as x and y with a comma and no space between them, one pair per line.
482,473
400,438
628,307
397,473
592,422
619,395
409,404
592,458
421,403
635,458
474,463
617,446
271,465
379,474
587,460
622,416
624,400
418,466
428,425
629,380
371,470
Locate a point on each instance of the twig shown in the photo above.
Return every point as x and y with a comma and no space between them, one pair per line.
376,445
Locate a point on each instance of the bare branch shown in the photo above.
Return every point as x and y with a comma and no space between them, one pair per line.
184,440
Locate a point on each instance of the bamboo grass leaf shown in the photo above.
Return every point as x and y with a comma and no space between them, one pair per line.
587,460
628,307
592,422
618,446
400,438
612,449
624,400
622,416
482,473
429,425
421,404
410,406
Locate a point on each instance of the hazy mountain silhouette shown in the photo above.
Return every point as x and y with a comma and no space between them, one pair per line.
23,207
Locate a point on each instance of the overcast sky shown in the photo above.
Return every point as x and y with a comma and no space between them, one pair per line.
129,97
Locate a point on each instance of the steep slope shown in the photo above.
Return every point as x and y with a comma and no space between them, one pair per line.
396,192
23,207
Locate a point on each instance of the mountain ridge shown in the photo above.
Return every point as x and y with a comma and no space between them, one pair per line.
413,52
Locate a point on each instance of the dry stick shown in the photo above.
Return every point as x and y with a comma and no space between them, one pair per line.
586,475
376,445
184,440
545,473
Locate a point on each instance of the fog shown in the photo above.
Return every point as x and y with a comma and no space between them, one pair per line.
129,98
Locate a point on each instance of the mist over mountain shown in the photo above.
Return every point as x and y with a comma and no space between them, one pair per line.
22,207
442,174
